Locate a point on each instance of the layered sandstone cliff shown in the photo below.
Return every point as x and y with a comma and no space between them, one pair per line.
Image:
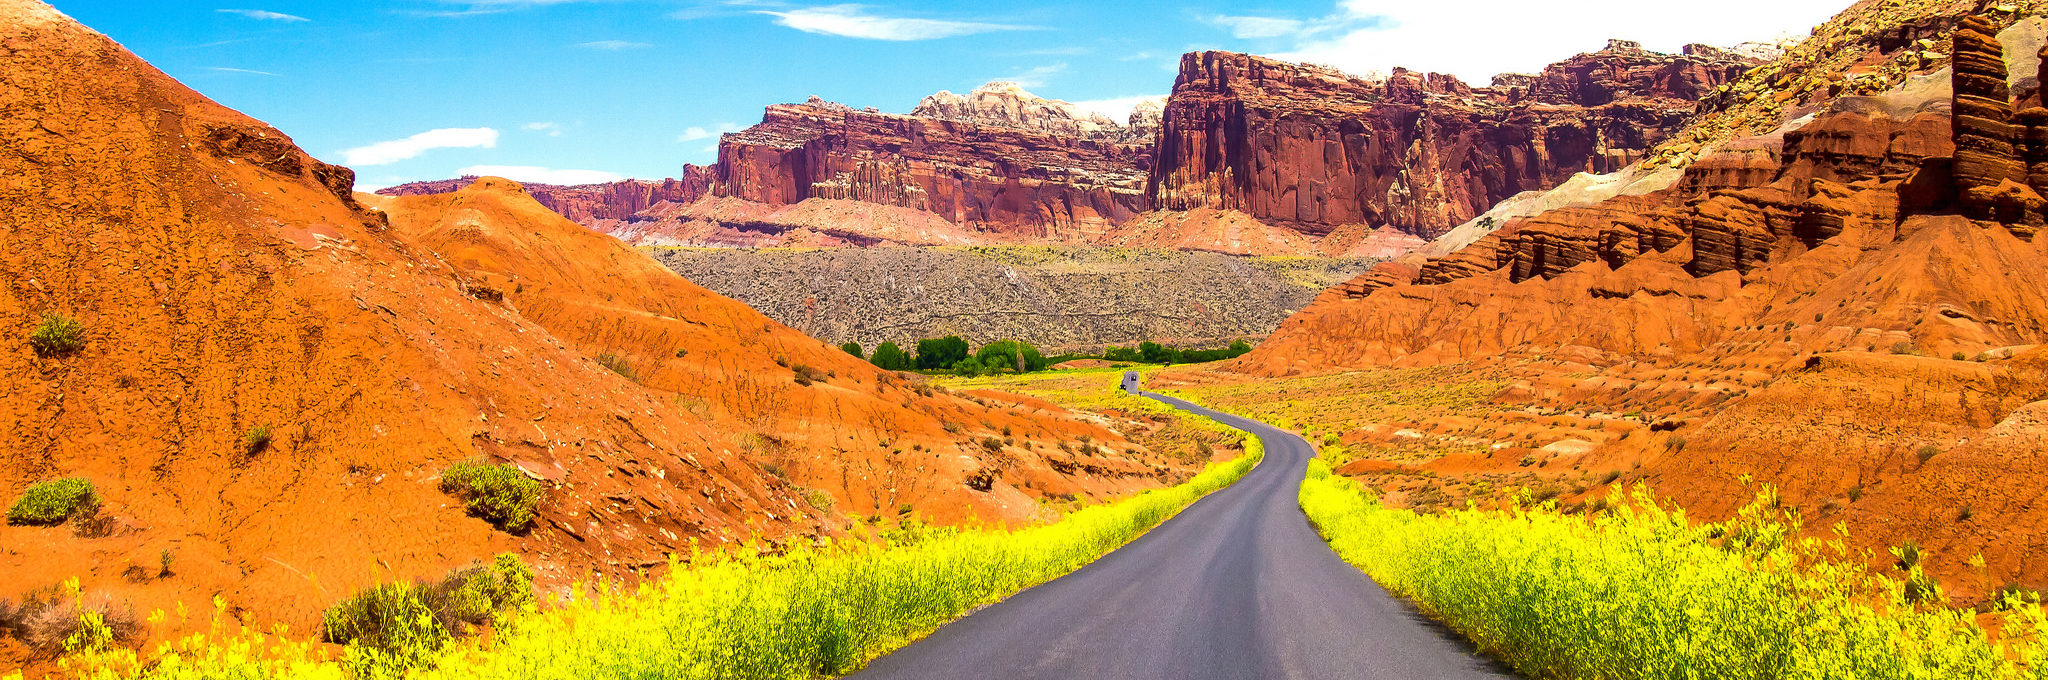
1313,148
999,160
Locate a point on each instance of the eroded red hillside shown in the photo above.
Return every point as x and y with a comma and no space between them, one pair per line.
228,283
1842,308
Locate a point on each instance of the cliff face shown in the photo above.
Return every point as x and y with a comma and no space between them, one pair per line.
1312,148
591,205
1005,161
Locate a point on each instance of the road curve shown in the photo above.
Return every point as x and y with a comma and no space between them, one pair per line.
1236,586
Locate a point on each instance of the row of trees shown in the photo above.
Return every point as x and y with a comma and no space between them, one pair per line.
1155,353
952,354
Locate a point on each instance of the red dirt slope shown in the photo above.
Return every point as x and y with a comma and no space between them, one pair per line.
226,281
873,440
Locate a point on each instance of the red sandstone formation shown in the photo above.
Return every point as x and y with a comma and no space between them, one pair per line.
591,205
1012,164
1312,148
1290,148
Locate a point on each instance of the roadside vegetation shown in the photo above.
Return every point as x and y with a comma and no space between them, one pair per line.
952,355
1635,590
811,610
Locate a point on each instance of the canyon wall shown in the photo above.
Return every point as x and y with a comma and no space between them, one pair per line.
1314,148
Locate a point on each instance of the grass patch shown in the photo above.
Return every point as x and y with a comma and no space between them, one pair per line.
52,502
617,363
57,335
393,626
256,439
500,494
1637,591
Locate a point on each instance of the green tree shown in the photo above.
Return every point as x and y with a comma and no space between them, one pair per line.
1013,354
1115,353
1155,353
937,354
969,367
889,357
852,348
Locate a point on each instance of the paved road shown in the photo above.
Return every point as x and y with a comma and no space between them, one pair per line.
1237,586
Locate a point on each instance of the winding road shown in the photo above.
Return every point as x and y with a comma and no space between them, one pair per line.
1237,586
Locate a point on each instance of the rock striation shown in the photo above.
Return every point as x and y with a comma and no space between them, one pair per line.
1314,148
999,159
591,205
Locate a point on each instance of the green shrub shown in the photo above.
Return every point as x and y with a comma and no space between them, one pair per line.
500,494
57,335
53,502
805,374
256,439
852,348
390,627
616,363
889,357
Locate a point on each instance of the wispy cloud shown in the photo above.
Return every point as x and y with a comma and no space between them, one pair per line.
538,174
1259,27
385,153
480,7
253,72
694,133
856,21
614,45
550,127
264,15
1376,35
1036,76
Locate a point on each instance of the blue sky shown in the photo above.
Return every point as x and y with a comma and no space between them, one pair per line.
587,90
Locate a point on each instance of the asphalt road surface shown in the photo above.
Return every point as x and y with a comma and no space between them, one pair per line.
1236,586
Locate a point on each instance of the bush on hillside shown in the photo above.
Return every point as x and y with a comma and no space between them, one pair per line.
404,623
616,363
889,357
852,348
53,502
57,335
500,494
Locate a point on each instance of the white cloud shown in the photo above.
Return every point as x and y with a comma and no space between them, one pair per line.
1518,36
1118,108
384,153
1036,76
549,127
694,133
253,72
1258,27
537,174
614,45
854,21
263,15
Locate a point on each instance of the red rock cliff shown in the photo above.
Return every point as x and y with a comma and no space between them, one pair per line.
1313,148
1018,167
